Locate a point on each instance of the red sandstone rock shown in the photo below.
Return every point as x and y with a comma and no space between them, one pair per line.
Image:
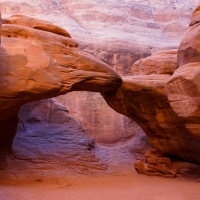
37,64
144,100
164,62
183,89
159,165
24,20
0,26
195,16
118,33
49,137
102,122
189,49
50,142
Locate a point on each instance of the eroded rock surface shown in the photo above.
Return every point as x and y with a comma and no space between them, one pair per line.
164,62
166,107
183,88
51,143
37,64
117,32
159,165
103,123
143,99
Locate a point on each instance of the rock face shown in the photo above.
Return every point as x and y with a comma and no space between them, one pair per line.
44,139
37,64
159,165
143,99
103,123
166,107
164,62
52,146
118,33
183,89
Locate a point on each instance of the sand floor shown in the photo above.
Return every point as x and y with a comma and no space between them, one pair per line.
129,187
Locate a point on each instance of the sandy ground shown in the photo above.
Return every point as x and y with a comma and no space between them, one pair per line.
129,187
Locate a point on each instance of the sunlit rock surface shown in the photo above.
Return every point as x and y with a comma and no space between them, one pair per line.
37,64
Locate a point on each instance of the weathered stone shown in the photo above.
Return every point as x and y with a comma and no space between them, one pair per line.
37,64
189,49
159,165
164,62
24,20
103,123
117,32
195,16
51,143
143,99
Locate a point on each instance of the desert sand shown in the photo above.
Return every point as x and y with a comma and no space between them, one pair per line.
127,187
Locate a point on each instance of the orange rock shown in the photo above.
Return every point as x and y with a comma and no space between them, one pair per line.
189,49
144,100
164,62
159,165
24,20
37,64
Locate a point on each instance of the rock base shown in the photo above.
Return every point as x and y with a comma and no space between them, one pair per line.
158,165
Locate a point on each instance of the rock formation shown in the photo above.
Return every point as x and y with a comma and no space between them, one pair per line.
183,87
143,99
163,62
37,64
165,106
159,165
118,33
103,123
152,96
52,146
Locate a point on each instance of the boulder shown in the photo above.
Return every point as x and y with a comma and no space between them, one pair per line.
163,62
159,165
195,18
189,48
52,143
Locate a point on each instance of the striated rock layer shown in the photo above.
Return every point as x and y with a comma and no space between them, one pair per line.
51,143
37,64
183,89
117,32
